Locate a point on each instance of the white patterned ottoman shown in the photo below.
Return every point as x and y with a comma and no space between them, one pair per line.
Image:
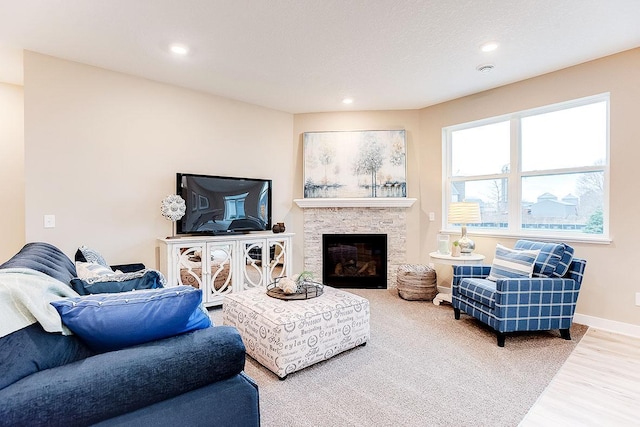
286,336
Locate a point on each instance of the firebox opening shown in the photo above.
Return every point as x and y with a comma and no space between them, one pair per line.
354,260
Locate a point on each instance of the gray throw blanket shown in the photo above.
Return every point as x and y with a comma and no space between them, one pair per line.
25,295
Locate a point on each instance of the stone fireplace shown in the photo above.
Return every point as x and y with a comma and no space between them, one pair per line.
355,216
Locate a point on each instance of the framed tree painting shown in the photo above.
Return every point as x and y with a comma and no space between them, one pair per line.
355,164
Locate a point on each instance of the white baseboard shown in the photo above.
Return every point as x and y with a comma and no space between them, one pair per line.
607,325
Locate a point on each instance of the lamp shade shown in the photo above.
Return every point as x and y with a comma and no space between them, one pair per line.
464,213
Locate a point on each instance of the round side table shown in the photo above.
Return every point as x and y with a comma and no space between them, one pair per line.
438,258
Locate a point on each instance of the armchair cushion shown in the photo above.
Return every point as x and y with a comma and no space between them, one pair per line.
480,290
512,263
548,259
564,264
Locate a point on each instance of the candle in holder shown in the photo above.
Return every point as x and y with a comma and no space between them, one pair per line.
443,244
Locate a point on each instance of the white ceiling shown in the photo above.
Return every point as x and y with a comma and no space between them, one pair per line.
306,55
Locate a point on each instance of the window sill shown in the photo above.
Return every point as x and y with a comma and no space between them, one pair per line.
553,237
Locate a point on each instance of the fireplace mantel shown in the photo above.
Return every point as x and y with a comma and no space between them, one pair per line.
377,202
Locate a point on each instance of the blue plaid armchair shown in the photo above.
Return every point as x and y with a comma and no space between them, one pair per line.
545,301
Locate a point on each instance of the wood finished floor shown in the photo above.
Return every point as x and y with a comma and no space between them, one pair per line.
598,385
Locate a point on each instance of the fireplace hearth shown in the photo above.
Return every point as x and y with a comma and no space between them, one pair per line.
354,260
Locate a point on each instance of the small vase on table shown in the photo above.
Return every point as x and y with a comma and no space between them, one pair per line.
455,249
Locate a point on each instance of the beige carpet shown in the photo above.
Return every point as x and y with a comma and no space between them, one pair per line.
421,368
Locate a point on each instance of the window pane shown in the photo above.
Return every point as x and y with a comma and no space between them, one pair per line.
567,138
569,202
490,194
480,150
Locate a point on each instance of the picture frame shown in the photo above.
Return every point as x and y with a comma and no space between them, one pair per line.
355,164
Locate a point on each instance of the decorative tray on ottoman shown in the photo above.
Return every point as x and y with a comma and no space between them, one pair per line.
307,289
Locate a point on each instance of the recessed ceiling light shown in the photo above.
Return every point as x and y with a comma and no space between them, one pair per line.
488,47
485,68
347,101
179,49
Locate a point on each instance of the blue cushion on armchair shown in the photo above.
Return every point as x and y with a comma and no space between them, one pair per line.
482,291
549,258
563,266
112,321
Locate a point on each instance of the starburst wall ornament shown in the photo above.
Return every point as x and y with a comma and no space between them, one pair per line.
173,208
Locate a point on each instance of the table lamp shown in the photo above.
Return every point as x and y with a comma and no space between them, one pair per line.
464,213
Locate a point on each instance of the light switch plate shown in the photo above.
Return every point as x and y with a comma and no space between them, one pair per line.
49,221
432,216
638,298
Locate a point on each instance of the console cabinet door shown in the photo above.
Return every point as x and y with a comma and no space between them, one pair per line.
252,261
278,262
187,265
220,271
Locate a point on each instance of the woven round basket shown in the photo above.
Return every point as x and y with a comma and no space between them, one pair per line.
416,282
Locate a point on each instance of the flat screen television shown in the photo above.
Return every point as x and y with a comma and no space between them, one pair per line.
223,204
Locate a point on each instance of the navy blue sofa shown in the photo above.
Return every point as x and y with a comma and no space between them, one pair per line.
193,379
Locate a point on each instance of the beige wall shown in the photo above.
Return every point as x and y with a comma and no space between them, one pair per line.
11,170
609,289
102,150
609,286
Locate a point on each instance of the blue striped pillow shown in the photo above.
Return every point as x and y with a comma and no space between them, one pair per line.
511,263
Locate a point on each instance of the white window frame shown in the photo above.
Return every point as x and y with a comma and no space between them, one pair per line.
515,176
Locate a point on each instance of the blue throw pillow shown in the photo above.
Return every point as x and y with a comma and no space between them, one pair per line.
549,258
109,322
118,282
565,262
511,263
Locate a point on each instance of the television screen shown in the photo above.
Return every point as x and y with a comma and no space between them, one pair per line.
222,204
